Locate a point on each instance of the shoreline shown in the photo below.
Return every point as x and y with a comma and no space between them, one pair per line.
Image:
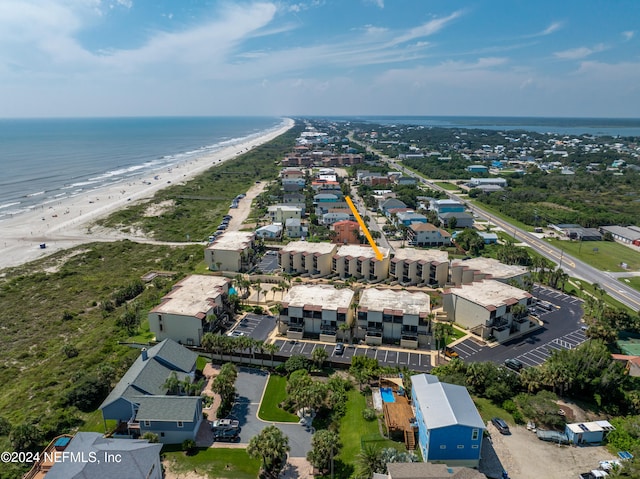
64,224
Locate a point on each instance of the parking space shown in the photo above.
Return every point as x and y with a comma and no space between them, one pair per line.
256,326
561,316
268,263
415,360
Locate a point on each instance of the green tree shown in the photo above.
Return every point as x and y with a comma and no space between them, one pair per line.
172,384
25,437
270,446
369,461
319,356
325,445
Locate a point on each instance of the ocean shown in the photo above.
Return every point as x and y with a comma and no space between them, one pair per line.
46,160
561,126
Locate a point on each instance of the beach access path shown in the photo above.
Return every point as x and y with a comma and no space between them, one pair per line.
65,224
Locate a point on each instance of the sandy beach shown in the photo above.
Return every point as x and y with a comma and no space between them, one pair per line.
66,224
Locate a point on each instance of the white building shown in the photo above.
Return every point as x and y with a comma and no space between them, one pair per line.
420,266
190,309
427,234
281,213
485,308
303,257
387,315
477,269
316,311
360,262
231,251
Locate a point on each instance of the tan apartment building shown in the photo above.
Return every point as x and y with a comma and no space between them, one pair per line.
307,258
477,269
486,309
315,311
230,251
360,262
392,316
187,312
419,266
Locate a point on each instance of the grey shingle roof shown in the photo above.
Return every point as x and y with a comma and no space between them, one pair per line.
426,470
137,458
445,404
167,408
148,377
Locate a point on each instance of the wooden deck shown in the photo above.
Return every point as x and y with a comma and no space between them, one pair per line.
398,417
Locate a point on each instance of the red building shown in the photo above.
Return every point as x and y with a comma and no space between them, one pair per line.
347,232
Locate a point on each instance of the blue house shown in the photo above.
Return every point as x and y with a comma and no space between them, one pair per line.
488,238
140,402
449,426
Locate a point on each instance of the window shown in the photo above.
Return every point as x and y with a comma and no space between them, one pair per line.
475,446
147,423
474,434
180,424
162,434
161,327
460,446
443,446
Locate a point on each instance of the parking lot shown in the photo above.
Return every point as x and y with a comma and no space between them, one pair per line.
414,360
256,326
268,263
561,317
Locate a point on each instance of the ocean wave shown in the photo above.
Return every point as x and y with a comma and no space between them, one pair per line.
35,194
8,205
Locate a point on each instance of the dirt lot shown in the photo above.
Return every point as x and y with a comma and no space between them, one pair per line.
524,456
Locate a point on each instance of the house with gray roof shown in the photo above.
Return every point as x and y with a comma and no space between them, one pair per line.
449,426
141,403
121,458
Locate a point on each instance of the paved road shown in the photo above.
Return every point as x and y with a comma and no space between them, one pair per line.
562,329
250,385
256,326
574,267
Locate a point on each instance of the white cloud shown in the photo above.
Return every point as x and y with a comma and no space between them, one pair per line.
426,29
578,53
554,27
628,35
377,3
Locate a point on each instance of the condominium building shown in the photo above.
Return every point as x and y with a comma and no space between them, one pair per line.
231,251
427,234
360,262
190,309
488,308
303,257
477,269
420,266
316,311
394,316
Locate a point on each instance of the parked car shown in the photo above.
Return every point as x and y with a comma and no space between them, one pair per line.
513,364
339,350
225,424
500,425
450,352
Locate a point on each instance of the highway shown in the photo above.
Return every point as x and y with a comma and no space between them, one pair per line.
572,266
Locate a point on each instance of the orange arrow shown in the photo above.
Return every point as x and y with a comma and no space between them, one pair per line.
373,244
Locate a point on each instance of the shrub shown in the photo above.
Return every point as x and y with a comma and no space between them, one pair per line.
5,426
369,414
87,393
70,351
189,446
151,437
258,310
295,362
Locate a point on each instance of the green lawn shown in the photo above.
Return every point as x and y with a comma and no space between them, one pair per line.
489,410
144,335
353,427
633,282
93,422
500,215
608,256
215,463
588,288
446,185
274,395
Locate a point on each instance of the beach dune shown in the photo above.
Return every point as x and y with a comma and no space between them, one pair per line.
66,224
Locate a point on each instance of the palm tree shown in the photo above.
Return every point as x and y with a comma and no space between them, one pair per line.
172,384
272,349
259,346
319,356
369,461
270,446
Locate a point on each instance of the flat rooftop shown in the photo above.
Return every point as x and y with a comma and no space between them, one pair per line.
307,247
360,251
493,267
428,255
398,300
233,241
192,296
323,295
489,293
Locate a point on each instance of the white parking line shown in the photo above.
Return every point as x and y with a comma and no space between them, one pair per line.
386,353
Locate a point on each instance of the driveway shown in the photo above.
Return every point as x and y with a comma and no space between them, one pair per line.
249,386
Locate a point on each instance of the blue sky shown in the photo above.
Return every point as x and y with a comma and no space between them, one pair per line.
320,57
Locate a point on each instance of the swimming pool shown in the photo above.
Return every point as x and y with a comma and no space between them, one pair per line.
387,395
